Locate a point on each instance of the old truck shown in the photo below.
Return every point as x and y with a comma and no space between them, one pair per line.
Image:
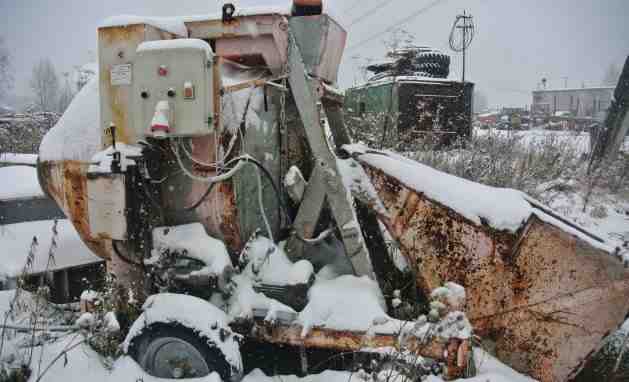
215,193
409,102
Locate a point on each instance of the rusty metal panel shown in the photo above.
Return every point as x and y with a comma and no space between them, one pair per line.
241,26
321,41
569,295
116,49
66,183
454,353
544,295
252,51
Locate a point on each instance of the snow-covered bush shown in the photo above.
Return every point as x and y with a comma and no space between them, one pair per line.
22,133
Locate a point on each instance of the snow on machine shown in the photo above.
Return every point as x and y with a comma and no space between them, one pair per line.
220,183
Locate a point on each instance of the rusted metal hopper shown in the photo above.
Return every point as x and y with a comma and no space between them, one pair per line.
545,290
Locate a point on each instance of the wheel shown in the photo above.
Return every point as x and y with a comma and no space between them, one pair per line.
174,352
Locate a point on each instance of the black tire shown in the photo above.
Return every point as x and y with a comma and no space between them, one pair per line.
433,57
213,357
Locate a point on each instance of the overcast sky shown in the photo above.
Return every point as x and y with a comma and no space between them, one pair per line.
516,44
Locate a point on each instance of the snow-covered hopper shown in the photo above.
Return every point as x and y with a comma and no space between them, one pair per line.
545,290
210,136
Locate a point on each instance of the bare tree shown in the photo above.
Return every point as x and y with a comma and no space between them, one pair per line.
66,94
6,72
45,85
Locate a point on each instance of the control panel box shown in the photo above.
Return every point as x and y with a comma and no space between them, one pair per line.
172,89
106,205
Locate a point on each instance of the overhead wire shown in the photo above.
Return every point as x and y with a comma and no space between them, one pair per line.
353,5
369,12
397,23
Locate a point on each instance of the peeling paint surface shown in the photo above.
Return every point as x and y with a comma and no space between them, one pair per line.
546,297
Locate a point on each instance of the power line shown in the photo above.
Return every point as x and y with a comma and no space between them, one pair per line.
398,23
354,5
369,12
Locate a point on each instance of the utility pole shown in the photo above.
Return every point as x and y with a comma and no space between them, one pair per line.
465,26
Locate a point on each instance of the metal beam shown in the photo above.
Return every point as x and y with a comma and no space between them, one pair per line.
337,195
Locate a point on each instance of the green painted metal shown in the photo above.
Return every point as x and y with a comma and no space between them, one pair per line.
262,143
370,104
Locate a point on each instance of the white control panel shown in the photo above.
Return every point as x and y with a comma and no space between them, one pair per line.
172,89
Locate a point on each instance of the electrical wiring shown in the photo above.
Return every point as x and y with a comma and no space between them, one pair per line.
240,162
261,205
210,179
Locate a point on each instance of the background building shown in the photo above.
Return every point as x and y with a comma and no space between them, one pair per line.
590,102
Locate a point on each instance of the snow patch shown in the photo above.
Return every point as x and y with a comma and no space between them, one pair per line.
15,241
182,43
85,321
501,208
19,159
451,294
245,300
174,25
192,240
19,182
89,295
268,263
357,182
76,136
344,303
101,161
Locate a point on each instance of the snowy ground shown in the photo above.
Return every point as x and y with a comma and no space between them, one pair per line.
605,215
81,363
19,182
16,239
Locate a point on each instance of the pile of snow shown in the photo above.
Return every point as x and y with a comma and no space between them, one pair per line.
76,136
245,300
174,25
193,313
89,295
19,182
268,263
101,161
16,239
357,182
264,263
503,209
182,43
451,294
530,139
192,241
344,303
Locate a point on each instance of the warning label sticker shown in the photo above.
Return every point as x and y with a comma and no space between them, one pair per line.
121,74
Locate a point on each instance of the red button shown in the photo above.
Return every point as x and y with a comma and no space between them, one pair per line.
162,71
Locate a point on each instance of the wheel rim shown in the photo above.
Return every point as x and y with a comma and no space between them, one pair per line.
170,357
